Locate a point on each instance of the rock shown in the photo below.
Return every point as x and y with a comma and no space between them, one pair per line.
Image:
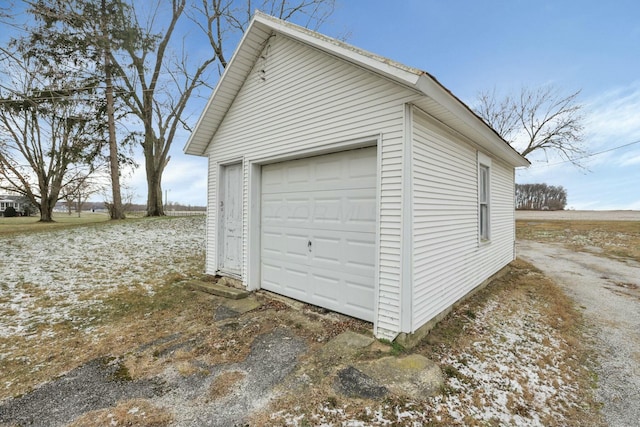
220,289
223,312
230,308
414,375
344,346
353,383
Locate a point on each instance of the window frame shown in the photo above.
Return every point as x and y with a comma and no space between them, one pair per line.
484,198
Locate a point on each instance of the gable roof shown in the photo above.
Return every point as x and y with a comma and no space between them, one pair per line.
438,101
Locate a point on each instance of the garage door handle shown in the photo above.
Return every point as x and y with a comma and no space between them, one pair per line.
309,245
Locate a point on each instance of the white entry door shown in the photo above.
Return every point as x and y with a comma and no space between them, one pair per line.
230,214
318,230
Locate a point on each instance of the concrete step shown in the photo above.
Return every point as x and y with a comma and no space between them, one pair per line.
217,289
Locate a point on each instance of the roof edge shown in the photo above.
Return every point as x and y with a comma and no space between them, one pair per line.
188,149
431,87
382,65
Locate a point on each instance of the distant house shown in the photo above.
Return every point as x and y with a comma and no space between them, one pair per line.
351,182
12,201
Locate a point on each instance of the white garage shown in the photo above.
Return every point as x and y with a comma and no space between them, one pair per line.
351,182
318,227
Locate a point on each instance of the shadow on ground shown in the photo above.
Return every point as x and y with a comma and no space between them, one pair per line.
282,355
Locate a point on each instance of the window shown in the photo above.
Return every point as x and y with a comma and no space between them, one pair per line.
484,196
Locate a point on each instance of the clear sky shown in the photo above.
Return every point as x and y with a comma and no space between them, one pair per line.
472,46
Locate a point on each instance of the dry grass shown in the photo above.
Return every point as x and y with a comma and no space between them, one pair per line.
615,239
470,337
225,383
126,320
180,323
528,296
174,328
29,224
523,283
134,412
114,315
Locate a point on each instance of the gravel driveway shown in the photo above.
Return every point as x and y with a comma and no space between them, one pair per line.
608,291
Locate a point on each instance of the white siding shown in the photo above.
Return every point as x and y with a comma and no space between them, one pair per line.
211,264
448,258
308,100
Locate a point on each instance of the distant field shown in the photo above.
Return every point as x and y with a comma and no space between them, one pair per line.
610,233
579,215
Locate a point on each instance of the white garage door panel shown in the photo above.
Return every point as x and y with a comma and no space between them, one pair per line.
346,209
322,172
318,230
344,293
351,253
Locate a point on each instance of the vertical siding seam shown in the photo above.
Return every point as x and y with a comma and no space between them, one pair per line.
212,258
207,217
245,221
512,186
406,225
376,296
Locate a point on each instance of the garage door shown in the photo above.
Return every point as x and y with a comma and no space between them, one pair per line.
318,230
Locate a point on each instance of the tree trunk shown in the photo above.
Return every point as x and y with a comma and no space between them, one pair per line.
116,211
46,209
154,191
79,205
46,215
155,161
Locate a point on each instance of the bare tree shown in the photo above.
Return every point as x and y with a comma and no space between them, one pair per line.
159,77
85,185
538,120
49,134
86,28
104,41
128,195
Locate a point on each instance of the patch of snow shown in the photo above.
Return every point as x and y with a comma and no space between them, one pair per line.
52,274
510,375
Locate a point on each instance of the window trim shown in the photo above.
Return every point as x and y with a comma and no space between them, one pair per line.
484,198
